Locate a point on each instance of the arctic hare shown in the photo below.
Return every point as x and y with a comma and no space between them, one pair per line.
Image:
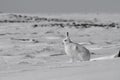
75,51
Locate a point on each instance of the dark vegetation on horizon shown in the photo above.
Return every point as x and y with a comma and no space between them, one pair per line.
53,22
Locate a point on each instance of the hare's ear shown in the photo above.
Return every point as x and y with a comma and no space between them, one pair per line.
67,34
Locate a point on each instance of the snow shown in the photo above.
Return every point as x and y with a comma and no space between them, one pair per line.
46,59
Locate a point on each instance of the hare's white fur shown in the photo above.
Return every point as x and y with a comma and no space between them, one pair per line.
75,51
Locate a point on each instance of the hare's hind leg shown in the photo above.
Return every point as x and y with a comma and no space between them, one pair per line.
79,58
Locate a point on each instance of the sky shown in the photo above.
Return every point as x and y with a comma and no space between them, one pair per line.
60,6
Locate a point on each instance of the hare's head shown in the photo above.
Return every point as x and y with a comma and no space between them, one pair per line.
67,39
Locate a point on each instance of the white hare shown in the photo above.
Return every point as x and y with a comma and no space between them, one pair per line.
75,51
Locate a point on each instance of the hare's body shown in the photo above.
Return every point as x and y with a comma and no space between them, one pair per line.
75,50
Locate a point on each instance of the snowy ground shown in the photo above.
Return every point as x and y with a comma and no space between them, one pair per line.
28,53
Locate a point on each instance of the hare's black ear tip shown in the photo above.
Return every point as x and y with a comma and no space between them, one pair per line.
67,33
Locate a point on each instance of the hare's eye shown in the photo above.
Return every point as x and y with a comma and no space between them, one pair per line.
65,40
